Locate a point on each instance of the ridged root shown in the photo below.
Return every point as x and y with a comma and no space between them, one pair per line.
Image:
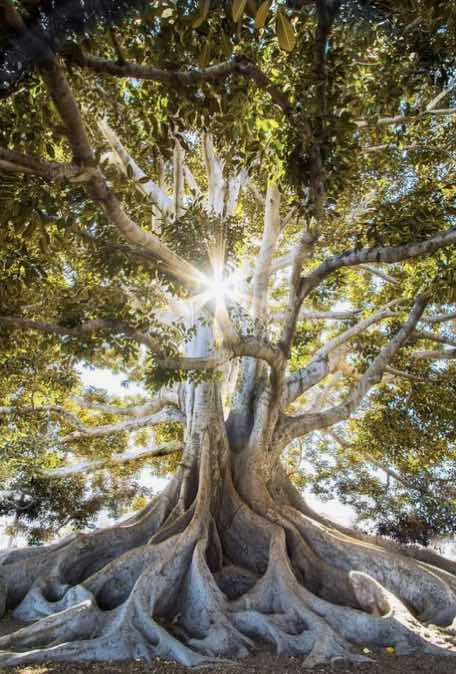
219,578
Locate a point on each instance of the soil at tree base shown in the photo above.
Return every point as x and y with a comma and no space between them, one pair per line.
384,663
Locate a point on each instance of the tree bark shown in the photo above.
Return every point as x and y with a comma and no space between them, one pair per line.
227,558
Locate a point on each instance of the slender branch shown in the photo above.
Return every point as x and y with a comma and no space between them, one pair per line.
432,337
292,427
409,375
385,312
86,328
168,414
117,459
58,410
364,124
381,274
127,164
320,366
365,455
440,318
449,354
165,398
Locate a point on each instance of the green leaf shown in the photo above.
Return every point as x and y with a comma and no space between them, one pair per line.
203,58
202,13
237,9
130,171
262,14
285,32
144,180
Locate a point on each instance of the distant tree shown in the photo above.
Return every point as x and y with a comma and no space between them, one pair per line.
265,241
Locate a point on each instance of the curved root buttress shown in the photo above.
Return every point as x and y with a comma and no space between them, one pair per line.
226,560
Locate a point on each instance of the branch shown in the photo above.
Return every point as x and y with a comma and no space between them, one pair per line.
69,112
381,274
178,79
116,459
292,427
305,378
109,429
440,318
432,337
328,315
379,254
271,231
365,455
58,410
86,328
178,179
337,341
165,398
320,367
449,354
409,375
364,124
15,162
127,163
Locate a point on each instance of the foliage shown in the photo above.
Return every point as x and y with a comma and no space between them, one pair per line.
384,184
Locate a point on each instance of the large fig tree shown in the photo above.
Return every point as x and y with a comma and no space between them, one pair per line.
260,241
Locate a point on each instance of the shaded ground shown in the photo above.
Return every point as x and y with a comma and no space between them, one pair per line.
259,664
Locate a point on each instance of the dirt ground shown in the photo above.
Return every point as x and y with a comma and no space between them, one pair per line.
264,663
261,663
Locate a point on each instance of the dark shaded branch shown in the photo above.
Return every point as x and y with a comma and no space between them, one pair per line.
16,162
177,79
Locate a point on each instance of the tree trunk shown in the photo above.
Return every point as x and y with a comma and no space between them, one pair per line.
226,559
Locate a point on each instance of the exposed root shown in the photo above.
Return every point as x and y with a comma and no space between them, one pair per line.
215,579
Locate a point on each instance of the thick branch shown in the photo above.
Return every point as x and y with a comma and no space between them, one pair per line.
305,378
384,254
16,162
69,112
271,231
177,79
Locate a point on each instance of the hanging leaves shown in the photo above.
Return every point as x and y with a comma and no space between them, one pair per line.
237,9
285,32
262,14
202,13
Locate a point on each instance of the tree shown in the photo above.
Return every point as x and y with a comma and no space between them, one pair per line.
305,250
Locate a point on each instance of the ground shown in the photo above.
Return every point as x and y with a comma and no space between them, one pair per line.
259,664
